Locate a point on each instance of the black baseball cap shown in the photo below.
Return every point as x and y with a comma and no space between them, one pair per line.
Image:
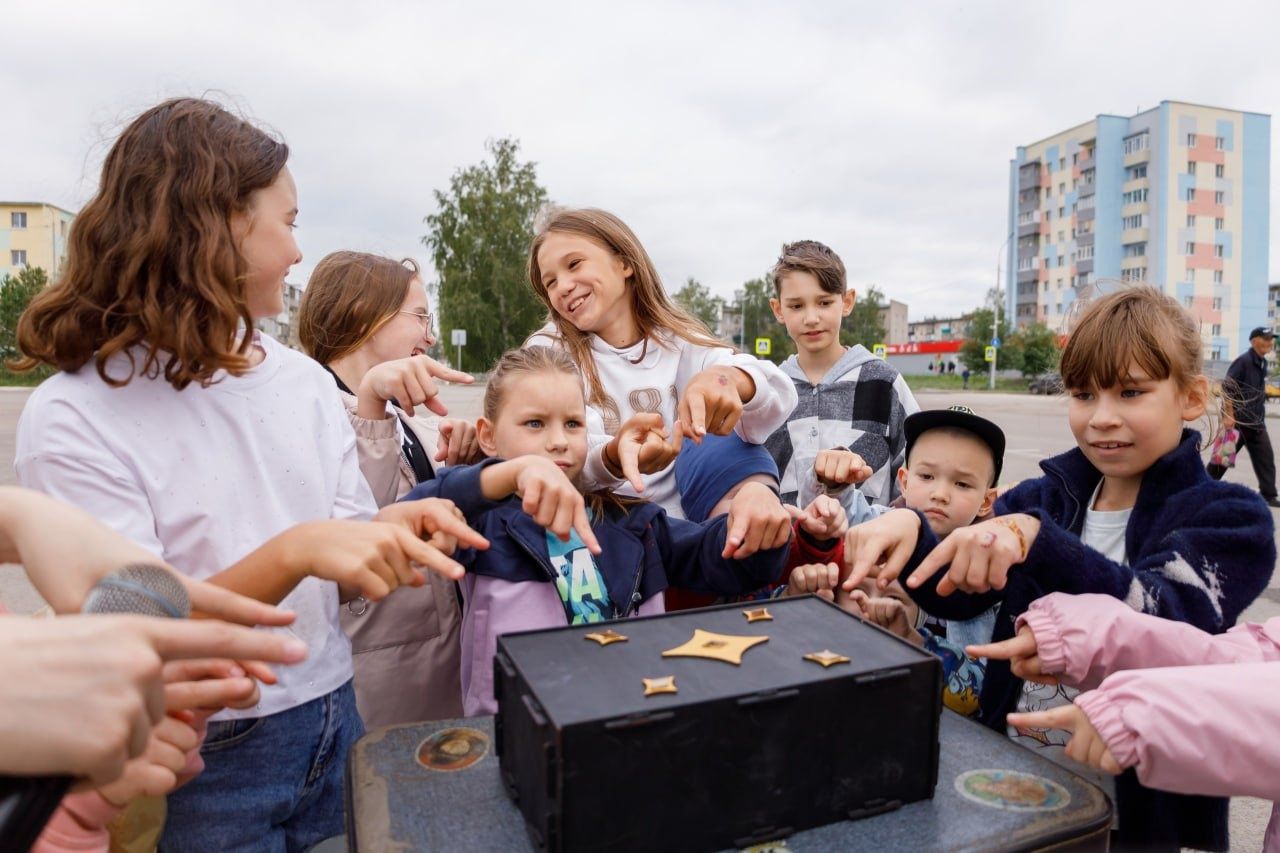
958,417
1262,332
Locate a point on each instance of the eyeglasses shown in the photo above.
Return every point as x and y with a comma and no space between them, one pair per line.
424,317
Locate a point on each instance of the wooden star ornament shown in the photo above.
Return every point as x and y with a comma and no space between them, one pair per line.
826,657
606,637
724,647
760,614
655,686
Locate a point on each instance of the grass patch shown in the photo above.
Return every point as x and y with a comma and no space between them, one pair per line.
25,380
955,382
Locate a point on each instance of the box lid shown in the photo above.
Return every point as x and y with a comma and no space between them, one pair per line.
578,680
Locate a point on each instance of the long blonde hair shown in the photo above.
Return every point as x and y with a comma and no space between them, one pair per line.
652,309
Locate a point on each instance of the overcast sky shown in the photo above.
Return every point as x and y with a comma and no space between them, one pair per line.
717,130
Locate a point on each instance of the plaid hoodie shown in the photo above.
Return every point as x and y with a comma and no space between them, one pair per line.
859,405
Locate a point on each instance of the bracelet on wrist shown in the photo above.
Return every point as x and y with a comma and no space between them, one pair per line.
1017,531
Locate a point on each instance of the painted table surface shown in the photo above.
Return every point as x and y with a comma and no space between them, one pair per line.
397,803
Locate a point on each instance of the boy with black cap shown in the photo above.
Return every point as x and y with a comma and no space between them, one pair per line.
1246,389
953,461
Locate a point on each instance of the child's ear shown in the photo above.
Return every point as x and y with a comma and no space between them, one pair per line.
988,501
776,307
1195,399
484,435
850,296
903,473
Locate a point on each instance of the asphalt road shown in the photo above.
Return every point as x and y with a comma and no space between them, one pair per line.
1035,428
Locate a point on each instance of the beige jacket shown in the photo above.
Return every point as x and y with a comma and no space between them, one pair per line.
406,648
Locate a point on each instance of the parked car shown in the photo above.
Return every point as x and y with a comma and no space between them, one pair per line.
1273,388
1046,383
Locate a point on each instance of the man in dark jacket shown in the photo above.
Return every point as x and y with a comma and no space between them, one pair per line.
1246,389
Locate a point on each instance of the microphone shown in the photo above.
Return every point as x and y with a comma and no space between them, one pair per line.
27,802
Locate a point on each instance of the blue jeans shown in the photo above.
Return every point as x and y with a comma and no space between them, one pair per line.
269,783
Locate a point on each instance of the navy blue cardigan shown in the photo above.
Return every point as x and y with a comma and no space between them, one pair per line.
642,549
1197,551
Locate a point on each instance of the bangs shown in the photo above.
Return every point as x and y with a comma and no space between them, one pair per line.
1115,336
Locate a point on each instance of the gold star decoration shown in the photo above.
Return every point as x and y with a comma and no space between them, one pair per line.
654,686
607,636
760,614
705,644
826,657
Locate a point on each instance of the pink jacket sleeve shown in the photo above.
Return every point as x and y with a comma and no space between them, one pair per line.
79,823
1194,729
1085,638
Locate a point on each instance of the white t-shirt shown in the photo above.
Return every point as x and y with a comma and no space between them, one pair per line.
1103,531
653,384
203,476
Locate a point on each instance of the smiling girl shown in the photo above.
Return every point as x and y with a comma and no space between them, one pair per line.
1130,513
641,353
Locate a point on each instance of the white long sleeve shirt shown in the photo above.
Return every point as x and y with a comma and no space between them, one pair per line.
654,384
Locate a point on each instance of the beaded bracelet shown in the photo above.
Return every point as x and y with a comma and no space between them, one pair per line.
1017,531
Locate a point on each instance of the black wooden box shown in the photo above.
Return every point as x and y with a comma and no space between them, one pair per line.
739,755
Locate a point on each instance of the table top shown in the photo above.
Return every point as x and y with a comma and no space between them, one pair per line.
436,786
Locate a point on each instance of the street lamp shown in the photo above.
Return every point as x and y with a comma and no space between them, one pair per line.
995,327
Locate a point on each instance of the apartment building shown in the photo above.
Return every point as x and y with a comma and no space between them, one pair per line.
1177,196
33,234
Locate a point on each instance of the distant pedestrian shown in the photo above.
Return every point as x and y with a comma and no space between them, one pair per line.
1246,400
965,376
951,368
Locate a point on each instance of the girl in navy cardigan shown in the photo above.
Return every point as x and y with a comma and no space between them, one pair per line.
541,568
1129,513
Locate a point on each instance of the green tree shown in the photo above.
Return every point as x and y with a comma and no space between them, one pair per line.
863,325
695,298
16,292
1040,351
479,240
758,321
973,350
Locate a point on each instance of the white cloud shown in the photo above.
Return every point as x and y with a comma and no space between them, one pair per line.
716,129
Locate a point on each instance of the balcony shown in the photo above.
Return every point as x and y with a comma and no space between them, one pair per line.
1087,189
1029,175
1135,235
1137,157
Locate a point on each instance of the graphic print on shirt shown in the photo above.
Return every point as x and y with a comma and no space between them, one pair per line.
578,581
646,400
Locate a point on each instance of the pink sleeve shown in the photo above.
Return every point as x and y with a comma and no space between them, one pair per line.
1194,729
1085,638
79,823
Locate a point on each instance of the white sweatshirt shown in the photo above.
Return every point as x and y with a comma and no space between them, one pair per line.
204,476
654,384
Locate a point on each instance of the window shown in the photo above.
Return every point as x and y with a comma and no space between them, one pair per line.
1085,253
18,258
1027,217
1135,172
1219,170
1062,211
1217,250
1191,167
1219,197
1060,261
1075,158
1048,214
1217,276
1217,224
1074,183
1062,162
18,219
1219,143
1191,140
1137,142
1061,237
1191,249
1187,300
1134,197
1048,191
1191,194
1132,250
1217,329
1046,287
1138,220
1062,188
1135,274
1217,303
1191,220
1190,275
